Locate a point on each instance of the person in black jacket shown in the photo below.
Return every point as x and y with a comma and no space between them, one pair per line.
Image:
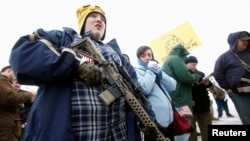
201,100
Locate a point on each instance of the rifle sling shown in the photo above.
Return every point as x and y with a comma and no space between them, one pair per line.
245,65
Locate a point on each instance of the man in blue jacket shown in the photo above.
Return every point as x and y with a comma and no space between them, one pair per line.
67,106
233,76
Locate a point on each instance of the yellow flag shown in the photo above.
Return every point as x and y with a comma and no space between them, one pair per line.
183,34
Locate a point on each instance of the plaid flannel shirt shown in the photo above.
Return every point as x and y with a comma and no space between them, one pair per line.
91,119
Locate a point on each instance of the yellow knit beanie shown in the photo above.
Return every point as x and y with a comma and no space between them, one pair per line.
83,12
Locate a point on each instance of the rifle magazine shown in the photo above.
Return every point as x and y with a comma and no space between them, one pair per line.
107,97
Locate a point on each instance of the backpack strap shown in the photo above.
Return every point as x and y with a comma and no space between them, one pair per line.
50,46
32,38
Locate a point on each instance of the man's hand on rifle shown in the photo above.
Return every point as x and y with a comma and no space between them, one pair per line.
204,82
90,73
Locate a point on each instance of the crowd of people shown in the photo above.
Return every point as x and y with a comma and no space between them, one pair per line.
81,97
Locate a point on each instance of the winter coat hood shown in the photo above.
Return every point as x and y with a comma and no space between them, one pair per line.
233,39
141,64
181,51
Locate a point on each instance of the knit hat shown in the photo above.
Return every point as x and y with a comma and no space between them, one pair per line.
191,59
82,14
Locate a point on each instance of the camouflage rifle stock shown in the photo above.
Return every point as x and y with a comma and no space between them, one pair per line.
117,83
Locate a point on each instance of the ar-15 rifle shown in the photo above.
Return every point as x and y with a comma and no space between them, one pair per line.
117,83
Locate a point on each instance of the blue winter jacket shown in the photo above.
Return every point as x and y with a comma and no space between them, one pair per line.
228,69
159,99
34,63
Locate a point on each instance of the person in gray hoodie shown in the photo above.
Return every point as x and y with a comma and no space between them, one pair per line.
233,74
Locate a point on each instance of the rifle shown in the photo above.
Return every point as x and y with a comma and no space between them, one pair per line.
117,82
206,78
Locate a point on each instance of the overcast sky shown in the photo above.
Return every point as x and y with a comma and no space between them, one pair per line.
132,22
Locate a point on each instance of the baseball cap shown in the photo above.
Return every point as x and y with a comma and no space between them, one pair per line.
244,36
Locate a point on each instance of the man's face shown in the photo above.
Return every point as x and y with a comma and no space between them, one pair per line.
242,45
95,23
191,66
